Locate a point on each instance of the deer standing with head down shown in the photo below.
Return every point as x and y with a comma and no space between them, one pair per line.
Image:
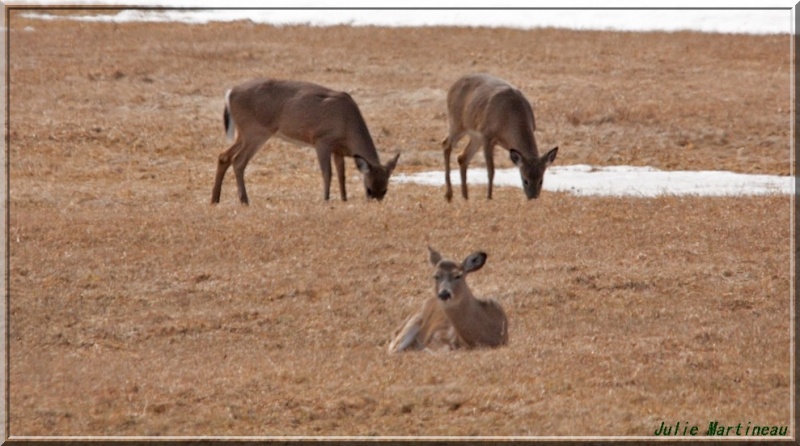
306,114
453,318
493,112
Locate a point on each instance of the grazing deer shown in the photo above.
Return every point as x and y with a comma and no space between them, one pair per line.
305,114
493,112
453,318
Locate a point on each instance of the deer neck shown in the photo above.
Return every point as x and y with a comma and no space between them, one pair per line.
469,319
360,143
523,142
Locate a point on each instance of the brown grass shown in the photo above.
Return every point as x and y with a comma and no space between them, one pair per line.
138,309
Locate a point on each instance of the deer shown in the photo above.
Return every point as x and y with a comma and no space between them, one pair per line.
493,112
453,317
305,114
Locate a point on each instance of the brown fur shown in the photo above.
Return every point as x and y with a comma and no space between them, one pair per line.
453,318
306,114
492,112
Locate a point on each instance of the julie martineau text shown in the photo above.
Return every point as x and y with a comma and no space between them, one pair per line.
715,428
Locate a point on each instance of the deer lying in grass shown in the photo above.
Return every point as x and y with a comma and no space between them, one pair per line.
454,317
493,113
305,114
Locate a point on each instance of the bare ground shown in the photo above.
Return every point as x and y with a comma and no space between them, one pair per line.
138,309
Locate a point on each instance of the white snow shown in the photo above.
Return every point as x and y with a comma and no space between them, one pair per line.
709,19
582,179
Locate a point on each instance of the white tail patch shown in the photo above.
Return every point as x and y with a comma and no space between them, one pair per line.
229,125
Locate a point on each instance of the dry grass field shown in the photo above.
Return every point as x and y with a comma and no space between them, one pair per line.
137,309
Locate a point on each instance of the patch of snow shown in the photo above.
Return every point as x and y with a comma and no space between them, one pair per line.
516,15
582,179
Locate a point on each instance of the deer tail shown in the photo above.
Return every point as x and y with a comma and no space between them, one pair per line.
227,119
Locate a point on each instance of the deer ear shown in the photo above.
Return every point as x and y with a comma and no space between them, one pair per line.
474,262
516,158
392,164
550,156
434,256
361,164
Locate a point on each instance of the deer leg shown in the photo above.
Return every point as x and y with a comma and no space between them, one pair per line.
324,157
463,161
338,162
447,146
488,154
240,160
239,164
223,164
407,336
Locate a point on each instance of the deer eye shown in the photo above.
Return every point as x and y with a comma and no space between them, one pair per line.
457,276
